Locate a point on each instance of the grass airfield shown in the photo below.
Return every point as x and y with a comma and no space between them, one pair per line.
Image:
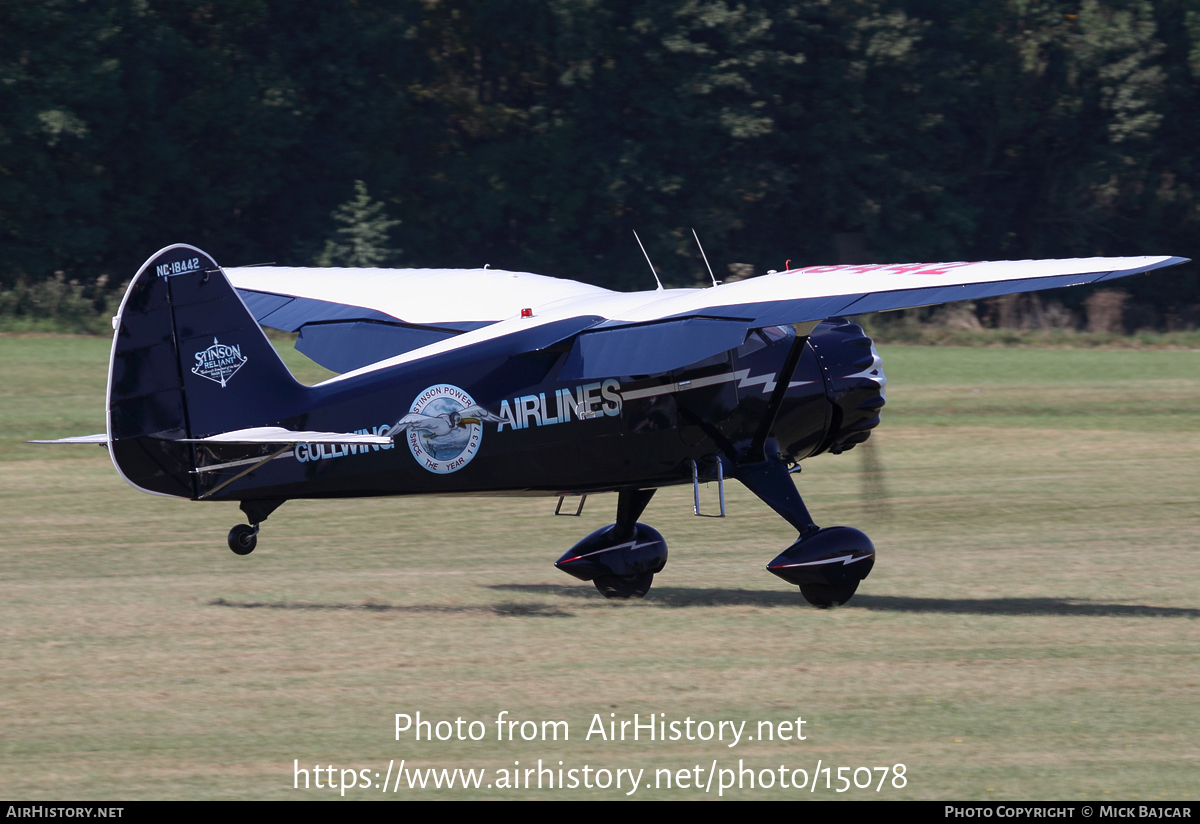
1029,630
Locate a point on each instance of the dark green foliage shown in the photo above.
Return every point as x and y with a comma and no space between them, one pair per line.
58,305
362,237
537,135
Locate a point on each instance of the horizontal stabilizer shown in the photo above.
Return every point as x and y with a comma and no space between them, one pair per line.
279,435
101,438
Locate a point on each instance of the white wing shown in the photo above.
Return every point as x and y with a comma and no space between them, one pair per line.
796,295
649,332
288,297
468,298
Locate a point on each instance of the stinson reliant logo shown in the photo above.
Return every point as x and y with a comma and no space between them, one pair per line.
219,362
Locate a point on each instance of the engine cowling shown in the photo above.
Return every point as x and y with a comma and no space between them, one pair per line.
854,382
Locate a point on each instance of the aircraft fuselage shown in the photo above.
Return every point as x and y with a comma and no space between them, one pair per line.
545,436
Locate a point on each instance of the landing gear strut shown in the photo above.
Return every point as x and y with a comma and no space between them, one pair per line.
827,564
620,559
243,538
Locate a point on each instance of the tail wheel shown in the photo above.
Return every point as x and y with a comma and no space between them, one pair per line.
624,587
243,539
824,596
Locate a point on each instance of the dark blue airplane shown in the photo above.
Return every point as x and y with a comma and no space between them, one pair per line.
457,382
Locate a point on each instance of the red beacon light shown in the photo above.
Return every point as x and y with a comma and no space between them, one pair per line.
526,313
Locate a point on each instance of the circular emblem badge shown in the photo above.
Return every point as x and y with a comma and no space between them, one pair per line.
444,428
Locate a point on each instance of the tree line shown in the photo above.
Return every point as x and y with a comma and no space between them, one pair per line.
537,135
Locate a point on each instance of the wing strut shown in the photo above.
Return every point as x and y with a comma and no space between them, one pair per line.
757,450
651,265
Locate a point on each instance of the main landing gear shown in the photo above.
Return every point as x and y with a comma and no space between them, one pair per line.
827,564
620,559
244,538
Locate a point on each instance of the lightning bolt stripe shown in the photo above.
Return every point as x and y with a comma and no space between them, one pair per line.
845,559
742,376
630,545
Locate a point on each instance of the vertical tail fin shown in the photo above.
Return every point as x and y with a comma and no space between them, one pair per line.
188,361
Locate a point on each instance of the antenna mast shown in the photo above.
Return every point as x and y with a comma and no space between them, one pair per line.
651,265
710,272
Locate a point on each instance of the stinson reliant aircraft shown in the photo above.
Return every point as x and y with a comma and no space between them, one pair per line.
457,382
